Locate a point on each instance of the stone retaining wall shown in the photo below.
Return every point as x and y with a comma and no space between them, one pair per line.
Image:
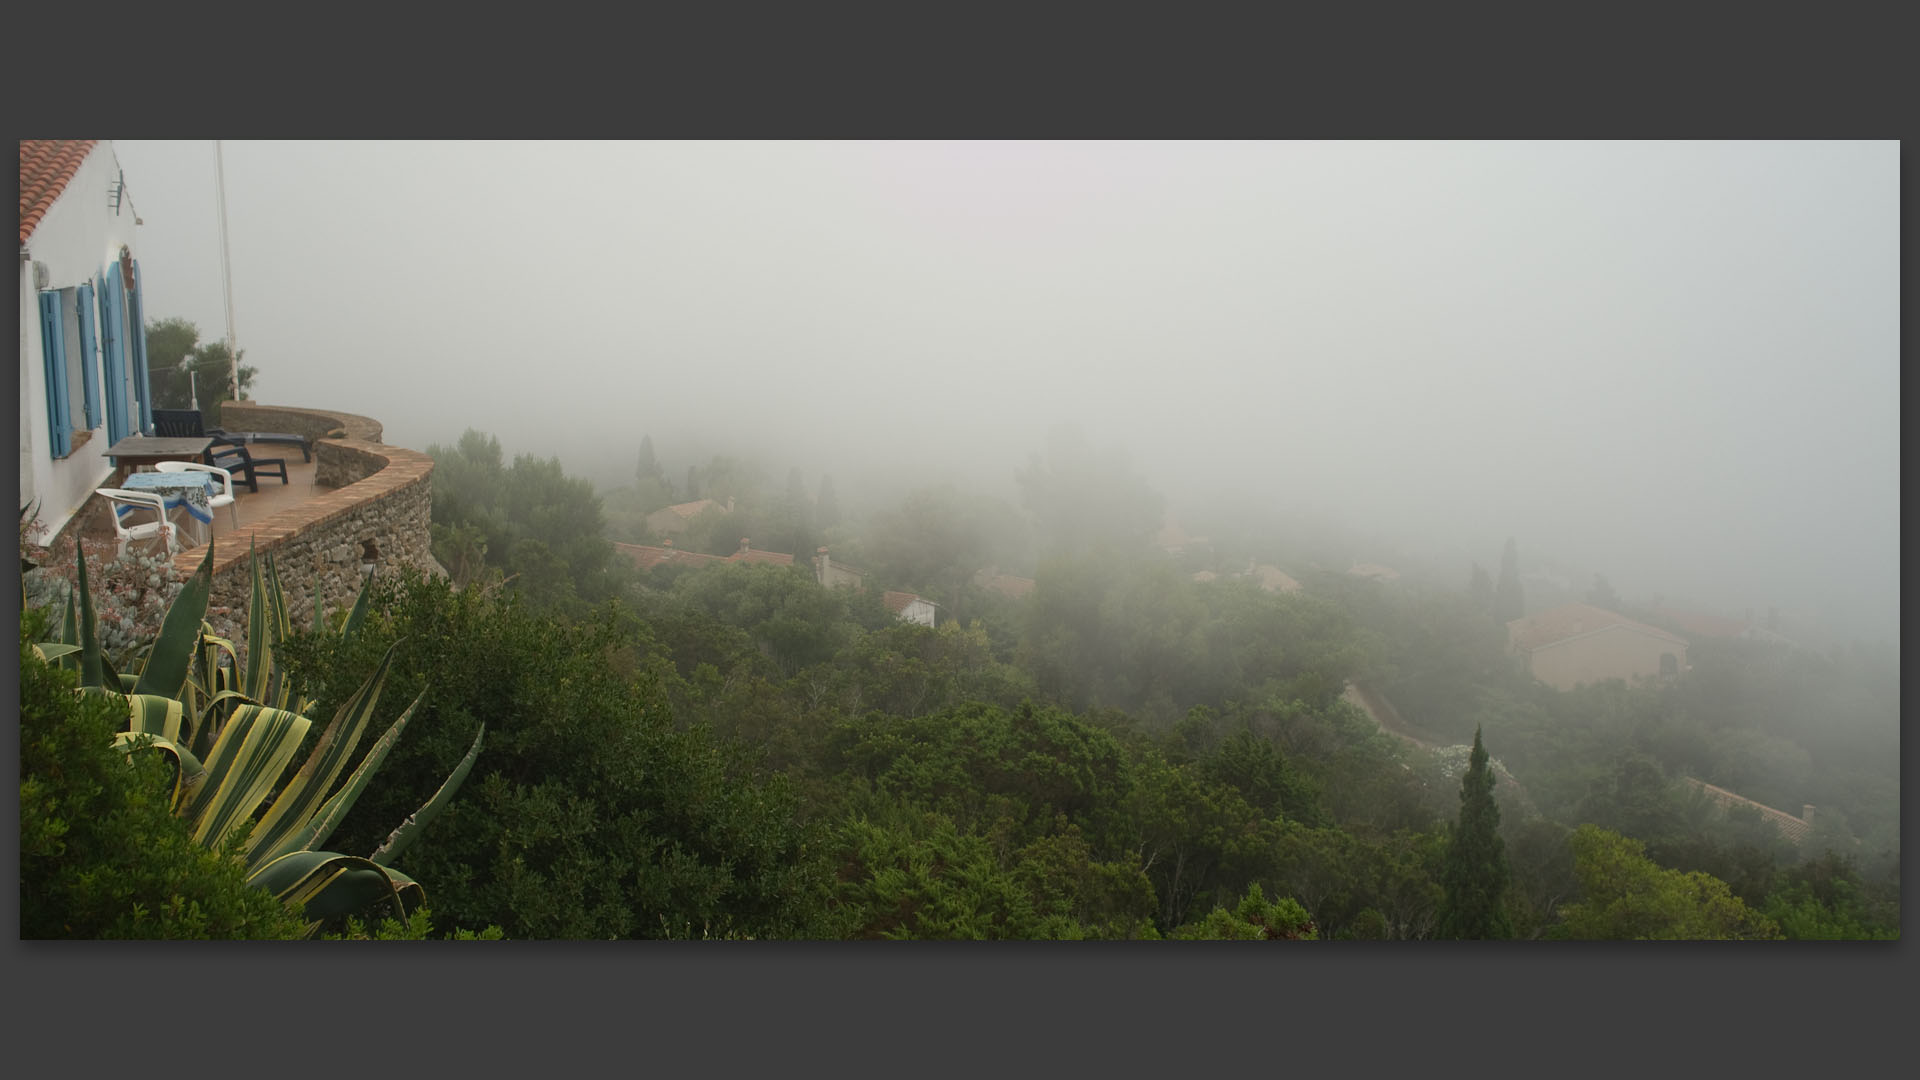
385,496
310,424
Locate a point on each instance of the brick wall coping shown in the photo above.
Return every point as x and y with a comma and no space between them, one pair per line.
398,468
310,424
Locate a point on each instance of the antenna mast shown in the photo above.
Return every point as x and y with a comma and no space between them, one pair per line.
226,271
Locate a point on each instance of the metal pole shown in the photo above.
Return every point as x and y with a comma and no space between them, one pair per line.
226,271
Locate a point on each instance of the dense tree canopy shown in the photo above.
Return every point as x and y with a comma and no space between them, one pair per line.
180,365
731,750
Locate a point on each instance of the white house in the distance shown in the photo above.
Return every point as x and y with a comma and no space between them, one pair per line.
83,357
910,608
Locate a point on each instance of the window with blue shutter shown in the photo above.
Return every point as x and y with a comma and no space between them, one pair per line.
113,351
89,364
53,340
137,344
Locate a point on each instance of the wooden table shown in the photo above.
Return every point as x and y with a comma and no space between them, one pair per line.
136,450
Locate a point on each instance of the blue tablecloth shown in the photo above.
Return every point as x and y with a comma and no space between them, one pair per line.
191,490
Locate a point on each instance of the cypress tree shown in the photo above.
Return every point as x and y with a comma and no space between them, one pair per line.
1475,875
826,508
649,466
1480,590
1508,604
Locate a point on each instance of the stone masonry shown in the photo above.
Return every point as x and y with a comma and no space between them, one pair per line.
382,496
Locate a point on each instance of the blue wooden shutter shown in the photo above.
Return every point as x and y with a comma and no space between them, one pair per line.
137,342
89,364
113,351
53,339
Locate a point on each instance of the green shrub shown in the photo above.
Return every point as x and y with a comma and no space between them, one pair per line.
101,853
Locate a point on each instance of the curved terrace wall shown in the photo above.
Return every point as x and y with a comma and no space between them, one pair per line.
382,494
310,424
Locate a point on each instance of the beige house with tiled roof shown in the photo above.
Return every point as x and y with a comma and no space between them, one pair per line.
1579,643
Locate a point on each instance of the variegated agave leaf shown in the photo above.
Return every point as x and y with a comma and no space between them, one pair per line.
52,651
326,884
70,635
316,830
152,714
279,687
304,794
212,687
359,612
167,664
409,830
244,765
188,773
92,674
260,636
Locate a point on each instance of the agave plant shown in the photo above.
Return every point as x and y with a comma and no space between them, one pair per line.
231,734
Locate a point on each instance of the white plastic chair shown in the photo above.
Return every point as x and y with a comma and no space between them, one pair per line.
144,500
221,498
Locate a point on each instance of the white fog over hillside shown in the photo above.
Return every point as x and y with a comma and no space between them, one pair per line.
1672,363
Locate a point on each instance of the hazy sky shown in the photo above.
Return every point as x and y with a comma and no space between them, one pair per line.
1676,363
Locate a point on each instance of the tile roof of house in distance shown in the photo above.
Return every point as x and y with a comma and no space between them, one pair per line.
898,602
1274,579
645,557
1569,621
46,167
691,510
1007,585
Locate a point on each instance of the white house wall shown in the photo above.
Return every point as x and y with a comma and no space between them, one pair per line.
29,347
78,238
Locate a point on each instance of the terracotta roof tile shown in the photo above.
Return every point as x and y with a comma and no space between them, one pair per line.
646,557
768,558
1004,584
897,602
46,167
692,509
1574,620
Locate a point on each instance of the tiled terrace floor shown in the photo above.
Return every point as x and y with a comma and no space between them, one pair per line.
251,507
272,498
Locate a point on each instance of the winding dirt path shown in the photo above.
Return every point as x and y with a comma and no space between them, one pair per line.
1376,705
